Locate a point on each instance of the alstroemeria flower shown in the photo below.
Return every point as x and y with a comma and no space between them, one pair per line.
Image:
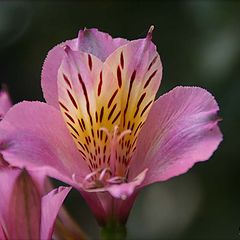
24,212
101,130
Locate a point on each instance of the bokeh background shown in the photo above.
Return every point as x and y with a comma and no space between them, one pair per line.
199,43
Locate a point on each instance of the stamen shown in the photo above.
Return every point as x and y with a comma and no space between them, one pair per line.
104,172
116,180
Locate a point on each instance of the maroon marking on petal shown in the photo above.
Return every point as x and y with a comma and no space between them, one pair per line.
82,153
80,125
145,108
72,100
119,77
106,138
73,135
96,116
128,97
69,117
100,84
63,106
134,141
139,103
86,148
98,150
132,127
115,119
112,98
87,140
92,133
94,143
83,124
81,145
137,128
122,60
149,79
104,158
67,80
101,114
90,62
73,128
101,135
112,111
86,97
151,64
99,161
104,149
97,133
128,126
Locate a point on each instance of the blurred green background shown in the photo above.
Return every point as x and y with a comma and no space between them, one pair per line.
199,43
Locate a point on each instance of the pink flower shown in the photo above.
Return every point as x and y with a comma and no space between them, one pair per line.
101,130
24,213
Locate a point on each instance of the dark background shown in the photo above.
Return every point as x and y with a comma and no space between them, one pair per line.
199,43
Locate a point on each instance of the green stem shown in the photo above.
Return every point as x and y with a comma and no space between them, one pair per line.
113,231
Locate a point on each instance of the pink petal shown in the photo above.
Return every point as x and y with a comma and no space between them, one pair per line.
24,209
33,135
84,88
9,176
89,40
51,203
125,190
99,44
181,130
138,70
5,103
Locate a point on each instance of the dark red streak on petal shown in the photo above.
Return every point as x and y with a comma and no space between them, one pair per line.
73,128
153,61
137,128
139,103
112,98
86,97
81,145
83,124
119,77
67,80
64,107
129,92
69,117
145,108
72,100
100,84
112,111
115,119
101,114
90,62
122,60
80,125
73,135
96,116
150,78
